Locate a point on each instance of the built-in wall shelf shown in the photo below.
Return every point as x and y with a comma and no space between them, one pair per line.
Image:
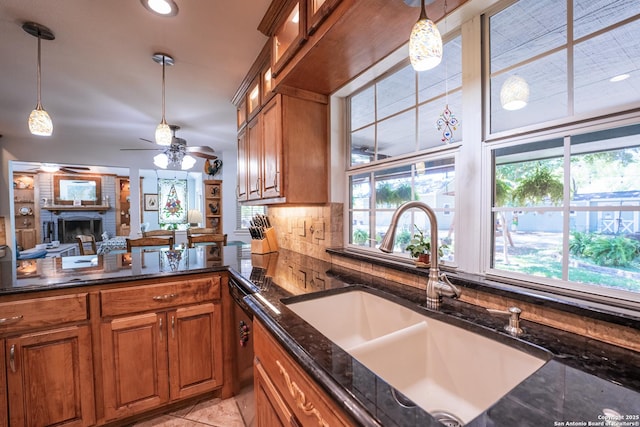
56,209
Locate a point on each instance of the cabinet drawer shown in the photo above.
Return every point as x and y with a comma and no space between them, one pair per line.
306,400
39,312
134,299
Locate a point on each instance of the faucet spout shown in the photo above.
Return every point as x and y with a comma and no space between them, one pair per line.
437,285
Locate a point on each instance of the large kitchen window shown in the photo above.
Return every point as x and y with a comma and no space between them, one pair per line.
399,150
552,61
568,209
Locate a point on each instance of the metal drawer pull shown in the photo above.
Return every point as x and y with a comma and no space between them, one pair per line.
160,327
11,319
164,297
173,326
300,398
12,358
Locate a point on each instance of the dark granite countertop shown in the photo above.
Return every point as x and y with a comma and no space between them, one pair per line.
583,381
73,271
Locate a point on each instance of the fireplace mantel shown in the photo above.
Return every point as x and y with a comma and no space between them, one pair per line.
56,209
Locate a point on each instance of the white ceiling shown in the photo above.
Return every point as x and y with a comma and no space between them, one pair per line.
103,90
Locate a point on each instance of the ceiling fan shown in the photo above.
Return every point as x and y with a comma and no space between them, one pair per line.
178,145
54,167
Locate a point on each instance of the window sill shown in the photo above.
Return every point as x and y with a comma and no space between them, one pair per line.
524,292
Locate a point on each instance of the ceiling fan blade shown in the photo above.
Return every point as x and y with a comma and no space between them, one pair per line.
142,149
147,140
68,170
202,151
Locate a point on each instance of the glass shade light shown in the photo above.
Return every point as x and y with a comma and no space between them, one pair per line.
40,123
163,134
161,160
425,43
514,93
49,167
187,162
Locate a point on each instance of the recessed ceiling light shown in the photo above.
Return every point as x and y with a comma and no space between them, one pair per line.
619,78
161,7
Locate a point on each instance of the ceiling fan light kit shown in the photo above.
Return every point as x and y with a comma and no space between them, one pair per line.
163,132
39,120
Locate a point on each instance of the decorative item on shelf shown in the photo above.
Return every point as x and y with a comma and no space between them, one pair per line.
214,208
39,120
212,168
163,132
425,43
419,247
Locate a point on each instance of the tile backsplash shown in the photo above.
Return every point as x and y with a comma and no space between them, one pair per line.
308,229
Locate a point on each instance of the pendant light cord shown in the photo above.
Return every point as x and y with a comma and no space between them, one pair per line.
39,105
163,119
423,12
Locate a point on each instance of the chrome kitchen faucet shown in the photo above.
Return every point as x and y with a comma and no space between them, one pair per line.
437,284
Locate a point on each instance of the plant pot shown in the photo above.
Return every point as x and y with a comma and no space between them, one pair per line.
423,260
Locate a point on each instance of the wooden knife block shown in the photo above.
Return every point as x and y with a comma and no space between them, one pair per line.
266,245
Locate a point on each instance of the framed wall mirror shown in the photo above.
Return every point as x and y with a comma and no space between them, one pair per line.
71,190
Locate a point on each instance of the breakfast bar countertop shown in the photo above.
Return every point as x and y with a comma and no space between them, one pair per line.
584,381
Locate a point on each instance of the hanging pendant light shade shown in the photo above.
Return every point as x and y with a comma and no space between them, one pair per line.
39,120
163,131
425,43
514,93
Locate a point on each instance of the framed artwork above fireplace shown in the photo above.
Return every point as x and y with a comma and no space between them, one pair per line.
68,189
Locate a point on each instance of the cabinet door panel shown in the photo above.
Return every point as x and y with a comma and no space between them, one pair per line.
254,152
270,408
272,148
50,378
134,364
241,190
195,350
3,389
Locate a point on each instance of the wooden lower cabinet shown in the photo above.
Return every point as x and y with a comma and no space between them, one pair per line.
4,414
285,395
50,378
195,350
151,359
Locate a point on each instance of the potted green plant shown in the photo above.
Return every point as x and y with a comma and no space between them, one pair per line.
420,247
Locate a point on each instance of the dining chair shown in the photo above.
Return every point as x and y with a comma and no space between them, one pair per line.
84,240
205,235
149,241
159,233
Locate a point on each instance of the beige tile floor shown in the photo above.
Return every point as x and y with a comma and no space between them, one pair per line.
213,412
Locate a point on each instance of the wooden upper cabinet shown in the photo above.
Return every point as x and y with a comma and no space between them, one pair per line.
290,33
254,172
317,11
254,98
271,161
242,113
242,173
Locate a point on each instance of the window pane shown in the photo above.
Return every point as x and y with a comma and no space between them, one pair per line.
363,108
429,133
547,99
396,92
397,135
363,145
393,187
246,214
616,56
594,15
526,29
446,77
360,189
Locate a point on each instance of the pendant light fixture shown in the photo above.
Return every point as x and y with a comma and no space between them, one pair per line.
175,156
39,121
425,43
163,131
161,7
